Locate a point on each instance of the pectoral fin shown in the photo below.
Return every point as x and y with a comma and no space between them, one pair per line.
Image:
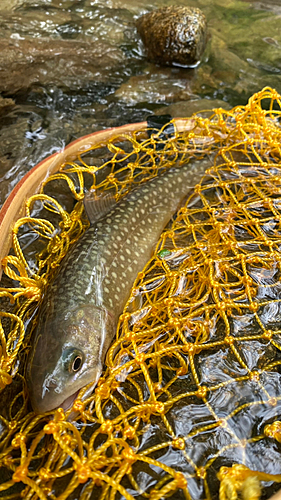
97,206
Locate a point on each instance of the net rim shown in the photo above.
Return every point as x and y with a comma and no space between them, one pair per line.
13,207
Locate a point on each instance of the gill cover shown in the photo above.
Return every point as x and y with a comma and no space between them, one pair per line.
68,353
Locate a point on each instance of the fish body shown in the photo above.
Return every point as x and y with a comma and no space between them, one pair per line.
80,311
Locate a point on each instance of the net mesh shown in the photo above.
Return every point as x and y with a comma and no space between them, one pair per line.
189,403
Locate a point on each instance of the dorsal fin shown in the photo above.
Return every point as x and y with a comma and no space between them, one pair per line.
98,206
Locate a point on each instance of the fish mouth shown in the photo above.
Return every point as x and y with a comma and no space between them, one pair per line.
68,402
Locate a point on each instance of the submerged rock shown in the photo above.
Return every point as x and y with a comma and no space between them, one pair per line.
6,105
184,109
174,35
45,61
156,85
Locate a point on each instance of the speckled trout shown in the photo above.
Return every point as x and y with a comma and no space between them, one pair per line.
80,311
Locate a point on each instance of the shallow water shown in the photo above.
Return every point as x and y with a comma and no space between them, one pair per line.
102,78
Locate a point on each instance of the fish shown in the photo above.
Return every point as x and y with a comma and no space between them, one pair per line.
81,307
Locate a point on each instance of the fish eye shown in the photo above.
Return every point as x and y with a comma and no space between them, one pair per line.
77,363
72,360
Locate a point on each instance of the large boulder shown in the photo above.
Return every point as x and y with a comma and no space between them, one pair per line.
174,35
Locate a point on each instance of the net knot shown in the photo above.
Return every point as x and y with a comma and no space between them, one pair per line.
201,473
44,474
229,340
182,371
106,427
140,358
273,431
59,415
239,479
178,443
103,391
18,440
158,407
180,480
129,432
268,334
202,392
189,348
78,406
5,377
51,428
13,425
174,322
254,375
129,455
83,470
20,474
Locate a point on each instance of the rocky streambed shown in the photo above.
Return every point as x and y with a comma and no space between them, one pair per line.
71,67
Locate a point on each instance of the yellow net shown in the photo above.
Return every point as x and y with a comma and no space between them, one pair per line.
189,404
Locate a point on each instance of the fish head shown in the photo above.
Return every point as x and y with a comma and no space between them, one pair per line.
68,353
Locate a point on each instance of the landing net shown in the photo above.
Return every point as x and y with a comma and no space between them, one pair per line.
189,404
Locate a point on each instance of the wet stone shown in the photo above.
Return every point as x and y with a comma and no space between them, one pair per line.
184,109
174,35
156,85
65,63
6,105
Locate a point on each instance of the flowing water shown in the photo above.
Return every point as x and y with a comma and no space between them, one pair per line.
76,66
